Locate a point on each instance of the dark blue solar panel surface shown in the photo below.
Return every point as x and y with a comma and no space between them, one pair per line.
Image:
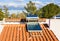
31,15
58,15
33,27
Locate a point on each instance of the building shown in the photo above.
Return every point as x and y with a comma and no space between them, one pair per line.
30,31
11,21
57,17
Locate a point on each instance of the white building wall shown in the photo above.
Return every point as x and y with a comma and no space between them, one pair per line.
11,22
47,21
1,26
55,27
4,22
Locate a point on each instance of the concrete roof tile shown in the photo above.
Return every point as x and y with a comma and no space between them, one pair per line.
17,32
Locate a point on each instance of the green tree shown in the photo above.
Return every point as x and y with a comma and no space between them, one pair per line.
31,8
39,13
21,15
49,11
6,11
13,15
25,13
1,14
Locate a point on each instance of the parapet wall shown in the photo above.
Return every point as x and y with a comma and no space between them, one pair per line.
55,26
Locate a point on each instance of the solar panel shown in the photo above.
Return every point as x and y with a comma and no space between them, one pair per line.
33,26
31,15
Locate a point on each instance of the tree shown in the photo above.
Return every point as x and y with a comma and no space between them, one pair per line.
25,13
31,8
39,13
21,15
6,11
49,11
1,14
13,15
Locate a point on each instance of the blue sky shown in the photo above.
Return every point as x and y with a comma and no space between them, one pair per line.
19,4
22,3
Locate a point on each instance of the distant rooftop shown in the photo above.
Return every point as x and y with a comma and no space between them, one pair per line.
13,19
58,15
